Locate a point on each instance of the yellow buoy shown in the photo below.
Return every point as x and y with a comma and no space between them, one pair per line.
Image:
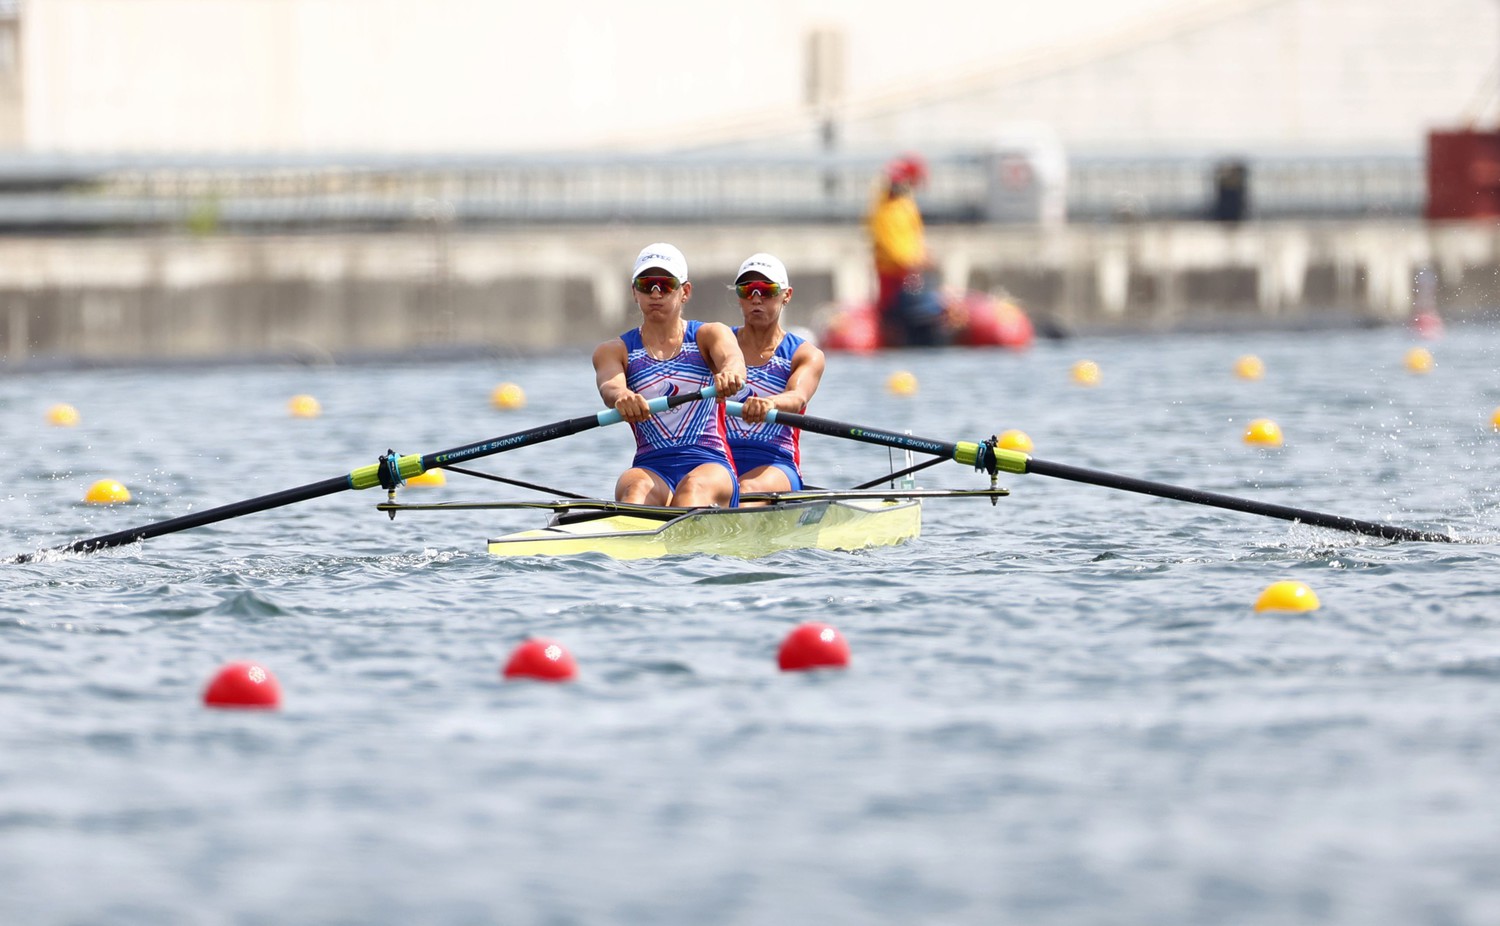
1287,596
902,383
107,492
304,406
1495,419
433,477
62,415
1249,367
1263,431
1419,360
508,396
1086,373
1015,440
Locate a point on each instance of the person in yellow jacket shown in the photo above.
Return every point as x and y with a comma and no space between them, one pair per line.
910,313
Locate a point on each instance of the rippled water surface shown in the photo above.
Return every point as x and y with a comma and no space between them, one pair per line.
1061,709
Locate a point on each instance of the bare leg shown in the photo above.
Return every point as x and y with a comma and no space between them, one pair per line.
764,479
709,484
642,487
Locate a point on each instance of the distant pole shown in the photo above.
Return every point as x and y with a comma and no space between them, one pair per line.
830,142
823,85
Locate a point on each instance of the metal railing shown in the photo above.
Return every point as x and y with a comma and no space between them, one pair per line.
132,193
1277,187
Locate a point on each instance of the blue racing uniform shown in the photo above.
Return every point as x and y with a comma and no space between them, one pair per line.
678,440
757,444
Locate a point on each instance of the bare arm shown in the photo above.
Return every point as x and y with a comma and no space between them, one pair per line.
609,374
807,373
722,350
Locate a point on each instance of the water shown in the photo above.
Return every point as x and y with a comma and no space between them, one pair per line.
1062,709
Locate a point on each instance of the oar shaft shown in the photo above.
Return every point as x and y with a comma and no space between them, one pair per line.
365,477
542,433
987,457
416,464
961,451
199,518
1230,502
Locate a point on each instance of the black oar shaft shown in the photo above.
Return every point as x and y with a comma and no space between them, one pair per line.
963,452
1230,502
200,518
495,445
987,456
363,478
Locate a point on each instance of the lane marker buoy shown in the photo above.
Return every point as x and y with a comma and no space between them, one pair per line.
433,477
542,660
1249,367
304,406
813,646
902,382
508,397
107,492
1015,440
62,415
1287,596
1419,360
243,685
1263,432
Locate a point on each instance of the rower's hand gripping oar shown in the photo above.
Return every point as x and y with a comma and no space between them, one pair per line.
985,456
389,472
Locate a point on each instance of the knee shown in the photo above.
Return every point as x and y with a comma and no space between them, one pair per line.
698,490
767,480
635,487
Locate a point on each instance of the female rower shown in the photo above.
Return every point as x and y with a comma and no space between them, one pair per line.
784,371
682,456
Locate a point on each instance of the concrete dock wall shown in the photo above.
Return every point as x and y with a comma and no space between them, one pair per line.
127,300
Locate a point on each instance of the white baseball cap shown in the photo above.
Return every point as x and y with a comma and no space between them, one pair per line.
662,256
766,265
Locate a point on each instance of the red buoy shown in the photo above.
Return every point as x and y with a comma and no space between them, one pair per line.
813,646
540,659
1428,325
244,684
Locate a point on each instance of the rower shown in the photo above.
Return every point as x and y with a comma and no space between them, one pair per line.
783,372
682,455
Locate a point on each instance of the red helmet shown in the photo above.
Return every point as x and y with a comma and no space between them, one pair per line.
909,169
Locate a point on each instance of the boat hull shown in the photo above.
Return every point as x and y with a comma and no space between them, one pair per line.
744,532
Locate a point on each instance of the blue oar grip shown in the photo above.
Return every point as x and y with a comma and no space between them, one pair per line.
657,405
737,409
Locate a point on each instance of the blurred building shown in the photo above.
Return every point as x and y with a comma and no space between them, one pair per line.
320,76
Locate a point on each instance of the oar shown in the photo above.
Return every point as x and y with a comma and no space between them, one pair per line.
391,471
984,455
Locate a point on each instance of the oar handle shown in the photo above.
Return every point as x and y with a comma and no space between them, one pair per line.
367,477
979,454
